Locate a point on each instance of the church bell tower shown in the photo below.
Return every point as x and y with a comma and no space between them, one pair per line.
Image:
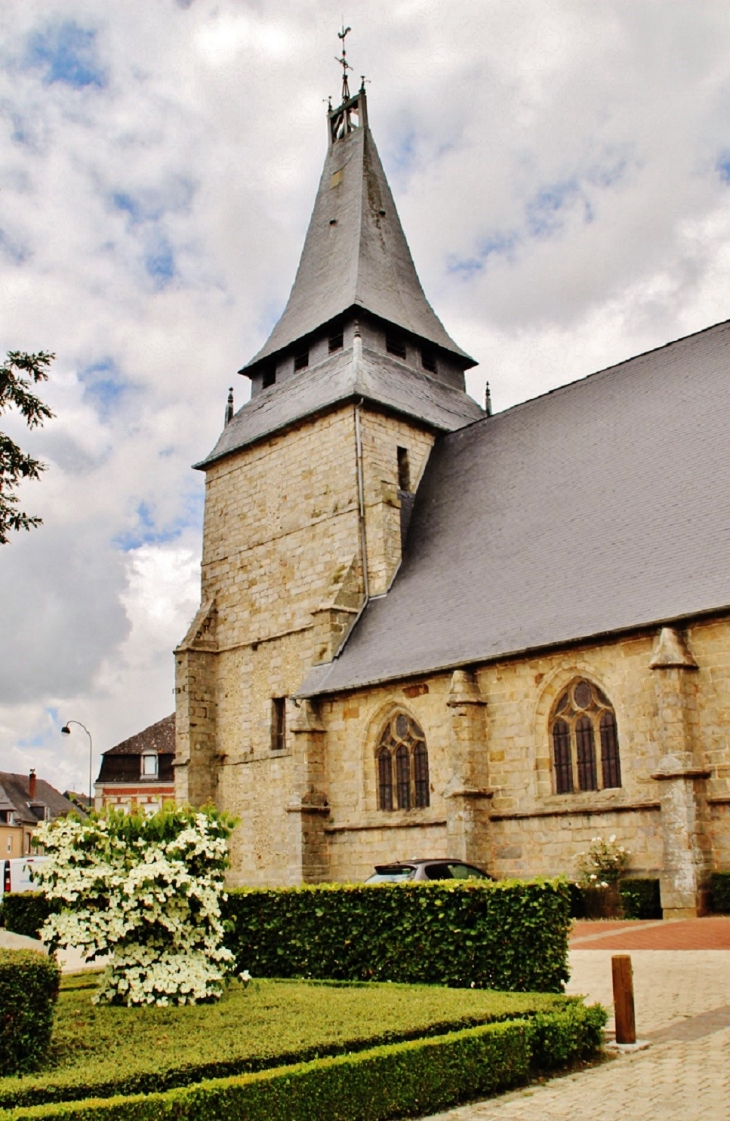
308,493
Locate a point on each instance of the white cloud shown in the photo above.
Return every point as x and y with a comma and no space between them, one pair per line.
561,173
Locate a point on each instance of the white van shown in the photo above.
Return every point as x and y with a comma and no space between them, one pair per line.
17,875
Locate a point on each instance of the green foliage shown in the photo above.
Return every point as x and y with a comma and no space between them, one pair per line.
18,374
410,1078
720,892
508,935
577,901
25,912
631,898
145,890
28,990
603,863
105,1050
640,898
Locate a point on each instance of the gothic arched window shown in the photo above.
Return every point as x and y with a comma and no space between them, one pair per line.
402,748
582,718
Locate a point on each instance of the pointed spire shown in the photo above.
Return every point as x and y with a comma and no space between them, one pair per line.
487,400
355,255
229,406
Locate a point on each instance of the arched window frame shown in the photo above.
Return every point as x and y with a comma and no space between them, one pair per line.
401,764
584,744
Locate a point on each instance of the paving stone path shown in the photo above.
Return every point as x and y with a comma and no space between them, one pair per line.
682,1007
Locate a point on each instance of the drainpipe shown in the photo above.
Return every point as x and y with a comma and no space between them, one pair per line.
357,356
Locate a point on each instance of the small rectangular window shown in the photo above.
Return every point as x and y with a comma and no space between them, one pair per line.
395,344
336,342
278,723
149,766
302,360
404,470
269,377
428,360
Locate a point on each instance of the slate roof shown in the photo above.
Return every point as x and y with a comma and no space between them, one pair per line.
376,377
122,763
159,737
600,507
356,255
14,796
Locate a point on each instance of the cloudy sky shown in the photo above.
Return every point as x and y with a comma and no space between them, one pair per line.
562,172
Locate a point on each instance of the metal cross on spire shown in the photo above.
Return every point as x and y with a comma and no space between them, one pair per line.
344,63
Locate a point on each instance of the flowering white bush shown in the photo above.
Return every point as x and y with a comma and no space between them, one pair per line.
604,862
145,890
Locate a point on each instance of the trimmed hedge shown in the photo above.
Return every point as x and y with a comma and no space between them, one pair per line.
402,1079
508,935
25,912
720,892
272,1024
28,990
639,898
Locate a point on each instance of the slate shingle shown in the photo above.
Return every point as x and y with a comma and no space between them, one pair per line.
599,507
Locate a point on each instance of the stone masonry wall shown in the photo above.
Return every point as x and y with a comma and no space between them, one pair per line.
533,830
282,570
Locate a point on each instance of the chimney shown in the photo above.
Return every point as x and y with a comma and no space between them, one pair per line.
31,785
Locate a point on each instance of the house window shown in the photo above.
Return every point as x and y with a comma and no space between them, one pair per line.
335,342
149,765
395,344
269,377
278,723
402,750
301,361
582,720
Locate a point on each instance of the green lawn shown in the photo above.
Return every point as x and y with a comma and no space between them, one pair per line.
101,1050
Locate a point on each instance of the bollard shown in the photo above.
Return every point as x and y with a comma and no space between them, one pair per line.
623,998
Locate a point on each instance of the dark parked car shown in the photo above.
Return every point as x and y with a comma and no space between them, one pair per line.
444,869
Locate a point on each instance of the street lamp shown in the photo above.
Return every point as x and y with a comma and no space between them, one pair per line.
67,732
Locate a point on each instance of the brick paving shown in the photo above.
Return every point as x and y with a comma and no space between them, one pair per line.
682,999
709,933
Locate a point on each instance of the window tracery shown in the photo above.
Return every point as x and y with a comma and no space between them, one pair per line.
582,718
402,753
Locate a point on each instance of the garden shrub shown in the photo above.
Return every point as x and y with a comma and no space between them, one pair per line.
264,1025
402,1079
630,898
720,892
507,935
25,912
577,901
147,891
640,898
29,983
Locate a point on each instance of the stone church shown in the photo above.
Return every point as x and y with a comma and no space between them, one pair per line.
426,630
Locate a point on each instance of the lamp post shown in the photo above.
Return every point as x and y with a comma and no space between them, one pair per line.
67,732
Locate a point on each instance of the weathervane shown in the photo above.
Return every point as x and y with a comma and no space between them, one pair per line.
344,63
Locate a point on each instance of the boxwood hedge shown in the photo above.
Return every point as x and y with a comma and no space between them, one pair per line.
28,990
510,935
402,1079
720,892
25,912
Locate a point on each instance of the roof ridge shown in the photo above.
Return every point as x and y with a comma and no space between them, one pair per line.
557,389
